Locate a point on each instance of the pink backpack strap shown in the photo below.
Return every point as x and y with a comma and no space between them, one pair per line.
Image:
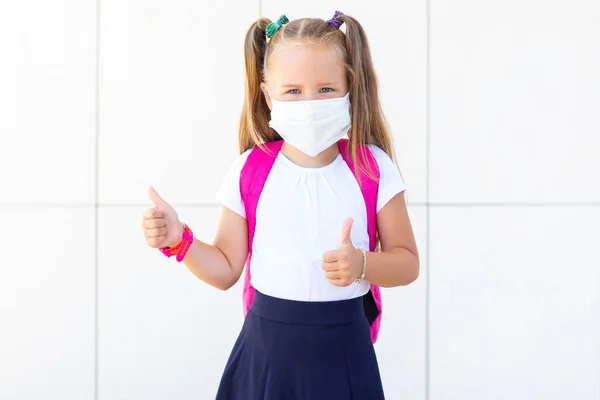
369,188
252,180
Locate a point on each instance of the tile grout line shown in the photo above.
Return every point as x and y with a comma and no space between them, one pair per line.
96,201
427,196
212,205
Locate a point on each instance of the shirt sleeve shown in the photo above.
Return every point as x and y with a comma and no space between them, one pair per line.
229,193
390,180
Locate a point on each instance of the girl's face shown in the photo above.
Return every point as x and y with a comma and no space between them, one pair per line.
305,72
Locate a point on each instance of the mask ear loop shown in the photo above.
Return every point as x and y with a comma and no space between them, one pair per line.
269,92
270,95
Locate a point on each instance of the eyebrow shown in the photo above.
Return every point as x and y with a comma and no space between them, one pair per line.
318,84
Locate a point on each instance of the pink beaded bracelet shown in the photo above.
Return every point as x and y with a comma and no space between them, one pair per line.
182,247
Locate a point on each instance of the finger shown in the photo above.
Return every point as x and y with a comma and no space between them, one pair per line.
333,275
156,232
155,241
339,274
337,282
340,280
331,256
154,213
154,223
156,199
345,235
330,266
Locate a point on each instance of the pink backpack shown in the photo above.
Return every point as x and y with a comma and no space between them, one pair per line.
252,180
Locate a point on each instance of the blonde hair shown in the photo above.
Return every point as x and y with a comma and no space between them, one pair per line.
368,122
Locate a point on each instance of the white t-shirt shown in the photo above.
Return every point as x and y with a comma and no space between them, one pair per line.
299,216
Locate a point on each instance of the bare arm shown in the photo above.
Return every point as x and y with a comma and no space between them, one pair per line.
396,265
221,264
398,262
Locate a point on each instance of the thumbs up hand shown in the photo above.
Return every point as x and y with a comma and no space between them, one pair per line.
343,265
161,224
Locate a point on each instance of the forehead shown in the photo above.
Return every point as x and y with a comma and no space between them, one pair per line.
305,64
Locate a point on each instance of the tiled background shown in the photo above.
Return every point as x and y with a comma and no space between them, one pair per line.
495,108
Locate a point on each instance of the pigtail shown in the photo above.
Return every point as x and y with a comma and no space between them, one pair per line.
368,122
254,120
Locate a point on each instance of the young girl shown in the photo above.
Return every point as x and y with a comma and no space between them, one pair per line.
320,220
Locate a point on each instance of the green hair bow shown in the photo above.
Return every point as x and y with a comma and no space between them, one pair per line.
275,26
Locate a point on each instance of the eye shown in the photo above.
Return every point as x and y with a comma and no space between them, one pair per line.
293,91
326,90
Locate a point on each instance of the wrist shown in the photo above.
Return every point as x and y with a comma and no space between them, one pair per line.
175,244
363,265
182,247
180,240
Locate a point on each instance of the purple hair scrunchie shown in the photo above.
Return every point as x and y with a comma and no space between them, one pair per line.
334,21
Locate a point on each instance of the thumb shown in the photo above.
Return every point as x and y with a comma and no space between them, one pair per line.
156,199
346,228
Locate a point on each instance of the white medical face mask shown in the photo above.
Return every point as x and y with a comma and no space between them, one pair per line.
311,126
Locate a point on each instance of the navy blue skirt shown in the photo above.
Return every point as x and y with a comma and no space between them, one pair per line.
296,350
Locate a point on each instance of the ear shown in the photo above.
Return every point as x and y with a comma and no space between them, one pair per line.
263,87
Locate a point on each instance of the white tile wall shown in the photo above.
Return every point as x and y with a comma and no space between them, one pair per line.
515,303
47,101
163,334
507,305
401,347
515,105
47,303
171,92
